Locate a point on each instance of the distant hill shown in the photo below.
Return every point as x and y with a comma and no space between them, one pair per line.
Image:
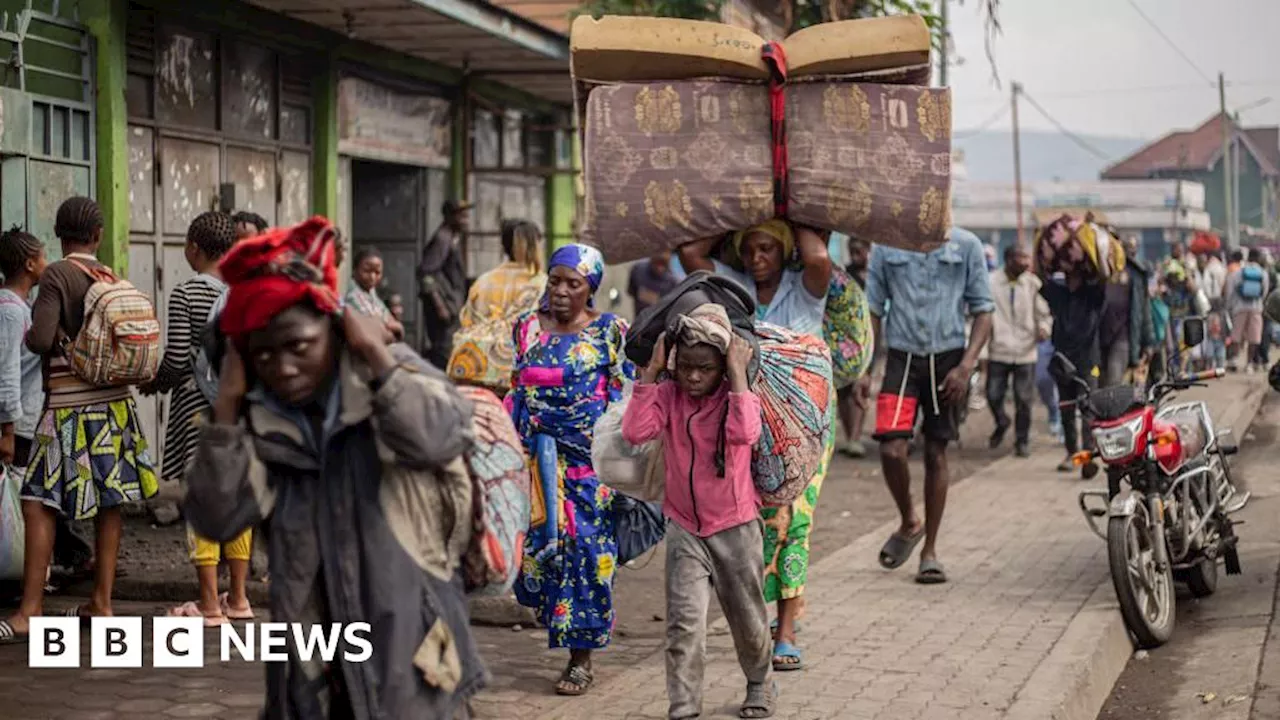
988,156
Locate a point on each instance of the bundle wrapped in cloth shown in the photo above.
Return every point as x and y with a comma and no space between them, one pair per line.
674,156
1084,248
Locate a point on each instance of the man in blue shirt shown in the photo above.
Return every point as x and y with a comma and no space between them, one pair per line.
919,304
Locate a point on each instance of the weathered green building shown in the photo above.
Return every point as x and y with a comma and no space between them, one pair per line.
370,112
1197,155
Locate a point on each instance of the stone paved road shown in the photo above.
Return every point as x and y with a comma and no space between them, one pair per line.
877,646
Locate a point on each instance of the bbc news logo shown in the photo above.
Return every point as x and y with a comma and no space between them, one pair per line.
118,642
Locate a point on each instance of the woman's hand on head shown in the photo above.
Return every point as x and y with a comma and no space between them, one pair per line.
366,337
739,359
233,383
657,362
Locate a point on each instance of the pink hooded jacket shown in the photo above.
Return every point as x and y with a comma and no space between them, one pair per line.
698,498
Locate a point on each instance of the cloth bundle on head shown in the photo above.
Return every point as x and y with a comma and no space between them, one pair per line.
582,259
707,324
274,271
777,228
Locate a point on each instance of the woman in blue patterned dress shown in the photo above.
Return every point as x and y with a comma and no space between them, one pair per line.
568,367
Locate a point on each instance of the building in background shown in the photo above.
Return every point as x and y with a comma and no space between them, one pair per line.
370,112
1197,155
1157,212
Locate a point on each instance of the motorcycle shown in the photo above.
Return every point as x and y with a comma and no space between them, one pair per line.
1169,493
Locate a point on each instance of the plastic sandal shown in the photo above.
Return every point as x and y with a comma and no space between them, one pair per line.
790,652
233,614
761,702
578,676
931,573
9,636
898,548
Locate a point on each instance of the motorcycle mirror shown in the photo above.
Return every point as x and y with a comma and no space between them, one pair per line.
1060,368
1192,331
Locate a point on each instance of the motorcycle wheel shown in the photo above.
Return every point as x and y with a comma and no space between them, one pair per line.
1202,578
1146,594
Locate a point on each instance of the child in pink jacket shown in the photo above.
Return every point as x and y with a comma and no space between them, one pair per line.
708,420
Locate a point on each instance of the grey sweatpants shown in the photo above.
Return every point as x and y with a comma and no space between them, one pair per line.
731,562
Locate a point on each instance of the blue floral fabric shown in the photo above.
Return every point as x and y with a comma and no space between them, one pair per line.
563,384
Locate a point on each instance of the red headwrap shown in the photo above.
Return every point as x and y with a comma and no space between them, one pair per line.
274,271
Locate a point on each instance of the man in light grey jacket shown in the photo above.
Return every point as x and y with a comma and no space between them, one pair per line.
1020,321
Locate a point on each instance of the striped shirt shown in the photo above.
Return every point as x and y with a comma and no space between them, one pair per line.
188,313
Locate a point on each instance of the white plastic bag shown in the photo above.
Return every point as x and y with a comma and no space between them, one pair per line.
12,537
617,463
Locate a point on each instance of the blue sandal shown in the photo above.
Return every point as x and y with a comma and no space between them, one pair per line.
790,652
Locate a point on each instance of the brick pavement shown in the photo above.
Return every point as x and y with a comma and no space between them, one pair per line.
876,645
1022,565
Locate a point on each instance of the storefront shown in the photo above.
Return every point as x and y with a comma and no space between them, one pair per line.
396,147
370,113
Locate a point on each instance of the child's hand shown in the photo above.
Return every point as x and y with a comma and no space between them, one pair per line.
657,362
740,352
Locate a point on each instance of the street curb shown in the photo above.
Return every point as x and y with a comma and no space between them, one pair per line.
1074,681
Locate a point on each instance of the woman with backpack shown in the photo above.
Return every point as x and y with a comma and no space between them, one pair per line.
209,237
90,455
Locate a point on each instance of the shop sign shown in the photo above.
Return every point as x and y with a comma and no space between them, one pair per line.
378,123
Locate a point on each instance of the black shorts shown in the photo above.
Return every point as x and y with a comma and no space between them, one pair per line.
913,383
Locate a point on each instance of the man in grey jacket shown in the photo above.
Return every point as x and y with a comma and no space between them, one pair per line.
1020,321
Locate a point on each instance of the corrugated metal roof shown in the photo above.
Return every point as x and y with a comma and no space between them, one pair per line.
492,41
1197,149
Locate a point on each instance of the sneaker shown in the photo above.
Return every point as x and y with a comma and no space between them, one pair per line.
1066,466
1021,450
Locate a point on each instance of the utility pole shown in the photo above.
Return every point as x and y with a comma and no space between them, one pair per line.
1177,198
946,43
1235,177
1227,197
1017,164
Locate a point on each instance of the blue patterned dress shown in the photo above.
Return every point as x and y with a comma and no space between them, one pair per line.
562,385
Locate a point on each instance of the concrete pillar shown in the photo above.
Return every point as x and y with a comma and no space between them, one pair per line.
106,22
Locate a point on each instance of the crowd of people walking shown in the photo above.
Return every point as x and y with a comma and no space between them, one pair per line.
295,410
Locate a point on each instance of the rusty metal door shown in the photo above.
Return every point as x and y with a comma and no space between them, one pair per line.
387,213
208,111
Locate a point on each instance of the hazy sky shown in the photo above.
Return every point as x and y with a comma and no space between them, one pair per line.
1098,68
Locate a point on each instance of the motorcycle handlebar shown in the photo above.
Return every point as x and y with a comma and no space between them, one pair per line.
1213,374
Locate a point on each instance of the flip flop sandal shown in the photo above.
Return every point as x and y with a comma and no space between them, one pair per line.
79,612
898,549
784,652
931,573
190,610
761,702
578,676
233,614
9,636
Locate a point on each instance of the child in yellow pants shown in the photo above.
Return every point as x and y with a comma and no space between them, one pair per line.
205,555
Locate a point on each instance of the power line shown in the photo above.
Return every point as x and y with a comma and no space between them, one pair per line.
995,117
1171,43
1062,129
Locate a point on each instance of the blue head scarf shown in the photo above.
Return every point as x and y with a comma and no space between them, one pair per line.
582,259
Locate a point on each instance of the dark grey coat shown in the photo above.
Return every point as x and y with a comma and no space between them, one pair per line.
370,529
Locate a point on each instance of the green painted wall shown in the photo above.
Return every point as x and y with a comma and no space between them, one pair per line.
324,156
111,126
